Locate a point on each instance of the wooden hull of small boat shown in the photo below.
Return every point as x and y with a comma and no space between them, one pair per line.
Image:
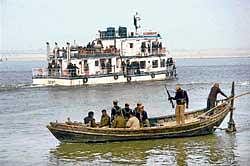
80,134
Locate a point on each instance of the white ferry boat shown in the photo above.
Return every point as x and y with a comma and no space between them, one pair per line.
115,56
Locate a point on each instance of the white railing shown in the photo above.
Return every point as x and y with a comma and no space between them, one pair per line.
45,72
39,72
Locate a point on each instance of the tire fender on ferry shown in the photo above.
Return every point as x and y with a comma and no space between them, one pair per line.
128,78
152,75
85,80
116,77
167,74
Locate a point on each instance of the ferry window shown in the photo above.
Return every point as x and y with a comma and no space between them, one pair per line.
163,62
102,62
96,63
130,45
142,64
155,63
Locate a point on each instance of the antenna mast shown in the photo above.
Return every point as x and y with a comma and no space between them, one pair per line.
136,21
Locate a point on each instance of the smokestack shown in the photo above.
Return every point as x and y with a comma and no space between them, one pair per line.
48,50
56,50
68,52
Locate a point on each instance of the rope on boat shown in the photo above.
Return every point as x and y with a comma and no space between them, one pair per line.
227,100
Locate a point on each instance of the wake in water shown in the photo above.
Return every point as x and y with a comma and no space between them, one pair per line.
9,87
4,87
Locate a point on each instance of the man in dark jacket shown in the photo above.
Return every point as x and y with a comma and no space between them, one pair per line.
213,96
182,100
126,111
114,109
143,117
90,120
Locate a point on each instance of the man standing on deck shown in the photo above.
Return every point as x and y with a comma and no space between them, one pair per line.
182,100
213,96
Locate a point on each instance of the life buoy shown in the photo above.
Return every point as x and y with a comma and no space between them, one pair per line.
129,78
167,74
85,80
152,75
115,77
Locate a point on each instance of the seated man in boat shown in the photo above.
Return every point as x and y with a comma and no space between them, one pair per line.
105,119
182,100
215,90
125,111
136,109
114,109
133,122
119,121
143,117
90,120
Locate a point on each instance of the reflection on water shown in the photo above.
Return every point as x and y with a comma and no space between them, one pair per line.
205,150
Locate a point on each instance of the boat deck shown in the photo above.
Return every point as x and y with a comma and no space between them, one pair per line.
173,123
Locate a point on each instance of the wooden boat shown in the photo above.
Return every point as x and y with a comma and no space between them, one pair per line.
200,122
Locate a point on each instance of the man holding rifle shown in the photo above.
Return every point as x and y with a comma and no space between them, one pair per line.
182,100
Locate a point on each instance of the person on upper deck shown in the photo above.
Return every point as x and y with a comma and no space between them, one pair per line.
90,120
105,119
114,109
182,100
75,70
215,90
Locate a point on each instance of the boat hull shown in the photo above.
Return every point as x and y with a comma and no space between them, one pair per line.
71,133
66,136
110,79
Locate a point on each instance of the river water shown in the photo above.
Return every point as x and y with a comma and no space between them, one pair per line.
25,110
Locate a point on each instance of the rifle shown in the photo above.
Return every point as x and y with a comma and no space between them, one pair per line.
171,100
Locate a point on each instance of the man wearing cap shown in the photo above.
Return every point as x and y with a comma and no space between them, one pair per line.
143,117
114,109
182,100
136,109
125,111
105,119
215,90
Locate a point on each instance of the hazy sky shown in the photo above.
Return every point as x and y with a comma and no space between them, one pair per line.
184,24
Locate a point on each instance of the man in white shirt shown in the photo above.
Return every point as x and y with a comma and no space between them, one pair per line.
133,122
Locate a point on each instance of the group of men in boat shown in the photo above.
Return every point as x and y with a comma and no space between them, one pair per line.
121,117
137,118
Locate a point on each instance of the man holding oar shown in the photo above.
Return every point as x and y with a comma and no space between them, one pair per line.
215,90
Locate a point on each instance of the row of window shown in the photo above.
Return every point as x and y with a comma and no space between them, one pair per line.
142,64
155,63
